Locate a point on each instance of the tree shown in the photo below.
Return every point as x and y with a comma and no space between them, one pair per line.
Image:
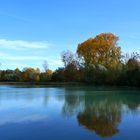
58,75
31,75
103,49
37,75
17,74
45,65
133,70
133,61
70,66
67,58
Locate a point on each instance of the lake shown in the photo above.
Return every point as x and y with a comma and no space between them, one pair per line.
69,113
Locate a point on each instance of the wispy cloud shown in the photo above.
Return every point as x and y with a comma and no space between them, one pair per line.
12,65
28,61
21,44
51,61
21,53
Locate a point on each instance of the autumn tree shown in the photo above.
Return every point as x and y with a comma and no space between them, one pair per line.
58,75
133,62
70,65
47,74
31,75
103,49
68,58
17,74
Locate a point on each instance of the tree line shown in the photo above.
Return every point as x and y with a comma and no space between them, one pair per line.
97,61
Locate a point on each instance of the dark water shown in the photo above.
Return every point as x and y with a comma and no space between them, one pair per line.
69,113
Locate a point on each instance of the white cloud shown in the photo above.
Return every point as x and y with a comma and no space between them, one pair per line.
20,44
19,53
6,56
51,61
13,64
24,61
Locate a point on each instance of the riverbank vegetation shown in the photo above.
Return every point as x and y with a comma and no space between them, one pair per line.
97,61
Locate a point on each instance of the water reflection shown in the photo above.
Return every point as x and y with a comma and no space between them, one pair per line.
101,110
101,116
77,111
73,102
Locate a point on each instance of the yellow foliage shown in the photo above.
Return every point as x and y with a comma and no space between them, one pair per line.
102,49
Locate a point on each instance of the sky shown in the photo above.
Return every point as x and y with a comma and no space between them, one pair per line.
34,31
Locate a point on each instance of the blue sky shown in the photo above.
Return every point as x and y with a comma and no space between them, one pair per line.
32,31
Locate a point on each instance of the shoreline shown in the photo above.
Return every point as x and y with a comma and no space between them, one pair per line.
65,84
42,83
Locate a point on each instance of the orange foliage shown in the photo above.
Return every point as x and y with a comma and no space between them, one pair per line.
102,49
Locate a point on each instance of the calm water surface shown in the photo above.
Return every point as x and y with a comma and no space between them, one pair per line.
75,113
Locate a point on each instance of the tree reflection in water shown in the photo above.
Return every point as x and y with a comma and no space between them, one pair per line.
100,112
73,103
103,118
